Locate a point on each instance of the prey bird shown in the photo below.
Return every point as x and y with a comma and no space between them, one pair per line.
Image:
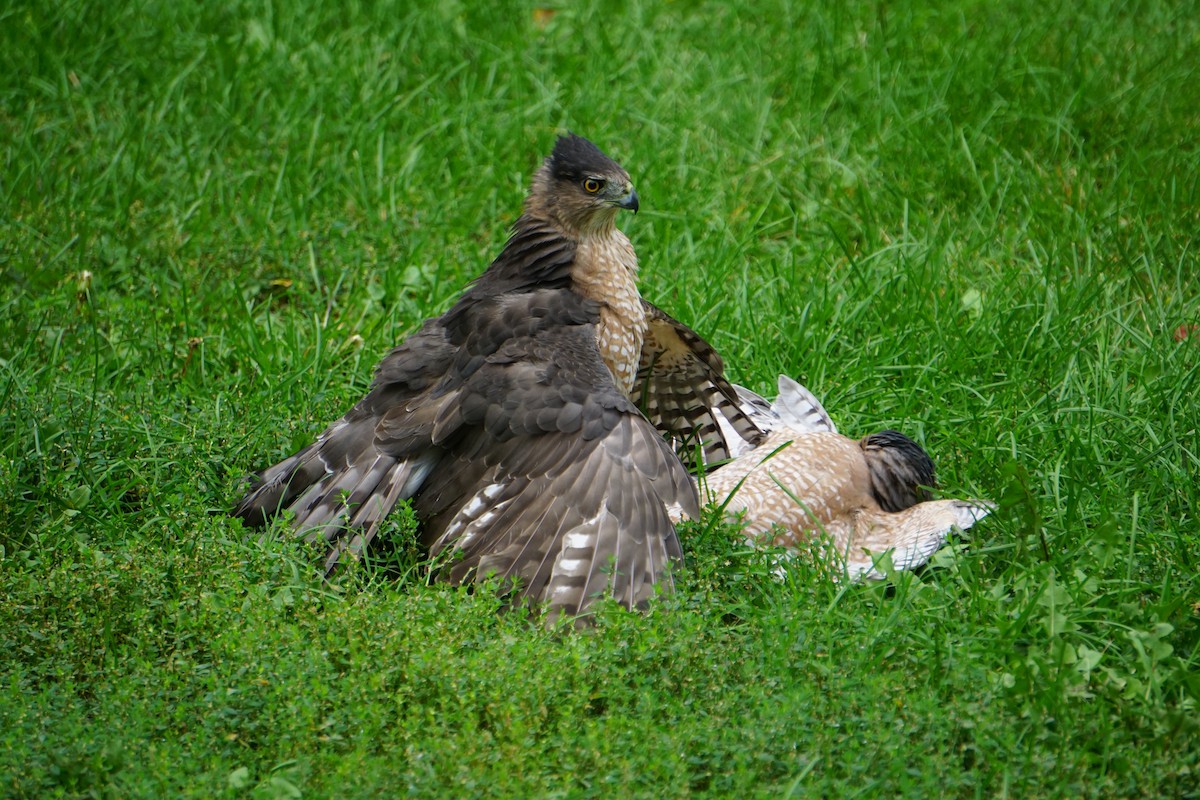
805,483
511,422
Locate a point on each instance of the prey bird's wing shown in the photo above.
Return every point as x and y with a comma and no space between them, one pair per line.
800,409
795,407
682,389
911,536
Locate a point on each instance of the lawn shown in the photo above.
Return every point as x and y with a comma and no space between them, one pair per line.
977,223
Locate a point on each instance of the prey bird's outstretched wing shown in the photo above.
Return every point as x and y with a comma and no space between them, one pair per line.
795,407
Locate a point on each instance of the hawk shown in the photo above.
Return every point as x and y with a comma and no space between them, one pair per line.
804,480
510,422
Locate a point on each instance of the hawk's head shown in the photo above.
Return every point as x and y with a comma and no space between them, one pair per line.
901,471
580,187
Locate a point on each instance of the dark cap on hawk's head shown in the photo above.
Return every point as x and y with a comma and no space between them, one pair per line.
574,158
581,187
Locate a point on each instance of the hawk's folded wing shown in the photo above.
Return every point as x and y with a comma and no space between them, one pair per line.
682,389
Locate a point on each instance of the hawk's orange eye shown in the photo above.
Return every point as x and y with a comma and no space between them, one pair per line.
592,185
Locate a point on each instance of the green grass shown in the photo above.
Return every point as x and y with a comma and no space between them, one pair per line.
974,222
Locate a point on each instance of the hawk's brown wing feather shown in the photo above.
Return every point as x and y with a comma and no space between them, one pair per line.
556,483
503,425
380,451
339,488
682,389
564,535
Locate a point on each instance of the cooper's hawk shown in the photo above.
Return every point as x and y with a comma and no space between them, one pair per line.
508,420
805,481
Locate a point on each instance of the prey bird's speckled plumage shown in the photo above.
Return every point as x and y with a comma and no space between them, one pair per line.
858,499
508,420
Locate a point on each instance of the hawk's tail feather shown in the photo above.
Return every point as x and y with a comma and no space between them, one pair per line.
800,409
681,384
738,431
697,412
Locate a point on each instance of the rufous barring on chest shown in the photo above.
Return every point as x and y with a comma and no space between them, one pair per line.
606,271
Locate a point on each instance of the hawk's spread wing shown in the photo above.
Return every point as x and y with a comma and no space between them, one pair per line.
522,459
551,478
564,518
502,421
340,487
682,388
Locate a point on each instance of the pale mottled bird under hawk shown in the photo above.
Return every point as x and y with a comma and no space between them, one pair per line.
511,421
855,499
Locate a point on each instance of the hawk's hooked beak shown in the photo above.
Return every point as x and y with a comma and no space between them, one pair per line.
629,201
